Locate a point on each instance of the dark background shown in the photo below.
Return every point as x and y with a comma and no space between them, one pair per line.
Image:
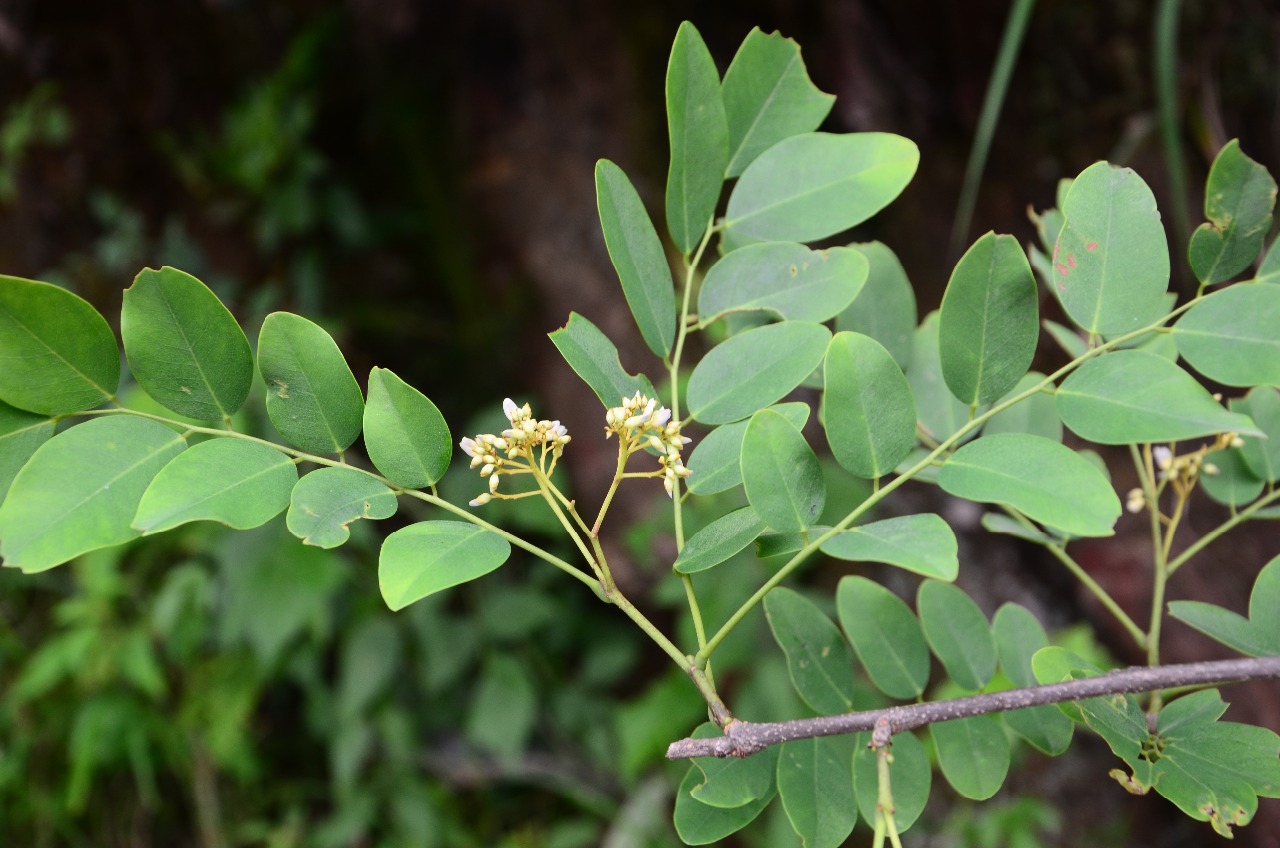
419,177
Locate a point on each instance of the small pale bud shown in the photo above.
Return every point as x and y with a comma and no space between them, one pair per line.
662,417
493,483
481,500
1210,469
1135,501
510,409
1163,457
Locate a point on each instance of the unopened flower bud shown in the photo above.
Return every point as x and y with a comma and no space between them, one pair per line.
481,500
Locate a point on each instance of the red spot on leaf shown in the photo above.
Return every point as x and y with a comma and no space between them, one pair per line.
1055,252
1071,259
1091,246
1062,269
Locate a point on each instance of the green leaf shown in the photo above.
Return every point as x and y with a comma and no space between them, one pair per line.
996,522
716,461
21,433
781,474
921,543
312,396
958,633
1068,339
1259,635
1269,270
184,347
405,435
1226,478
637,256
815,185
885,309
504,708
1018,635
80,490
1111,260
940,413
325,502
886,636
1230,336
699,137
910,776
753,369
989,320
1239,198
815,782
1131,396
594,358
57,354
1262,455
1037,414
973,754
700,824
1045,480
818,657
868,411
768,97
238,483
782,279
424,558
719,541
729,782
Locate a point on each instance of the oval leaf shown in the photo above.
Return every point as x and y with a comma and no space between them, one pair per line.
238,483
719,540
21,433
1018,635
753,369
1111,260
781,474
1046,481
1226,478
312,396
815,185
1262,455
405,435
768,97
701,824
886,636
699,138
730,782
325,502
1231,337
184,347
885,309
973,754
1131,396
57,354
594,358
784,279
990,320
815,782
921,543
637,256
868,411
81,489
429,556
818,657
716,461
958,633
1239,198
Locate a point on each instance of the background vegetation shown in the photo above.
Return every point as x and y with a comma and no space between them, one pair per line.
421,179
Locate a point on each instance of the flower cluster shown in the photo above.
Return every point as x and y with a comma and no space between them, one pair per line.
513,452
641,423
1183,470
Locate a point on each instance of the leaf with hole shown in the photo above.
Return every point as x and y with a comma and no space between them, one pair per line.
1131,397
312,396
594,358
80,490
57,354
768,96
325,503
637,256
868,411
815,185
405,434
1239,198
754,369
989,321
818,657
430,556
184,348
237,483
1045,480
886,636
921,543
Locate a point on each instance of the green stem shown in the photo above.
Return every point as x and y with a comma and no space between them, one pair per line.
1166,73
943,446
1240,517
886,811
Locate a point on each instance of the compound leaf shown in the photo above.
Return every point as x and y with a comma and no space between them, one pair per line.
729,782
701,824
910,774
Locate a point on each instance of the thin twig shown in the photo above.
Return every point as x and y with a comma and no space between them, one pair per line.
743,738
